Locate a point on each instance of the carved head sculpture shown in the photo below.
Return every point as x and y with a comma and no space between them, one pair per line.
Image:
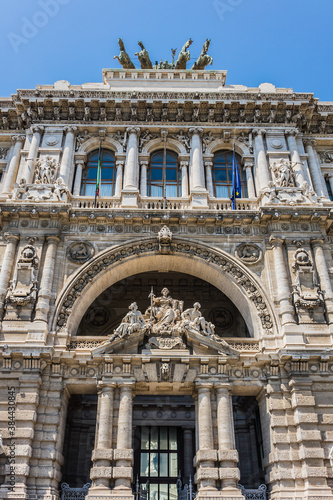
133,306
196,306
28,253
121,44
165,292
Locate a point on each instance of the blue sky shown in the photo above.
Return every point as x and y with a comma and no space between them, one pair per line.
284,42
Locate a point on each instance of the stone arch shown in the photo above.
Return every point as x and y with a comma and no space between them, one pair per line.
212,265
158,143
93,143
219,144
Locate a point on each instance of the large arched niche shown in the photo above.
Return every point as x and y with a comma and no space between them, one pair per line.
110,307
196,259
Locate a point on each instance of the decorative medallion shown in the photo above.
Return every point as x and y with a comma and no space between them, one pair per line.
249,253
52,140
80,251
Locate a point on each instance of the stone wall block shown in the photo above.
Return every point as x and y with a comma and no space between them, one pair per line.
123,455
311,453
230,455
229,473
42,471
208,473
204,455
97,472
102,454
314,472
308,418
308,435
302,400
122,473
20,469
278,421
26,398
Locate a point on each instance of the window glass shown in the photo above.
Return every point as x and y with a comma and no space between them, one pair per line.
172,175
222,174
108,174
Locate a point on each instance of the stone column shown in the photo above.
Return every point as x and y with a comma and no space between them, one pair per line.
11,171
209,178
78,176
314,167
102,454
206,456
295,158
227,453
131,164
7,266
282,281
45,288
119,177
123,455
262,176
184,171
330,180
143,177
67,155
323,275
197,175
188,453
28,168
249,179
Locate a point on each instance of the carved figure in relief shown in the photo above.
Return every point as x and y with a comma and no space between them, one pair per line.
60,189
165,310
193,319
133,322
248,253
184,56
19,189
283,173
184,139
45,170
143,57
204,59
123,58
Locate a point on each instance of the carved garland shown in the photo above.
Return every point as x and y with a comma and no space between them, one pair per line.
208,255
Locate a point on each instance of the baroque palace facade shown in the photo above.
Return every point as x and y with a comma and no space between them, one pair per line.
154,342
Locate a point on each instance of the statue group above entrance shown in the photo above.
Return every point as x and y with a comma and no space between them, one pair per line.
166,324
183,57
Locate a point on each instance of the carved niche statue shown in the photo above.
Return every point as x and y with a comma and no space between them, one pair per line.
143,57
45,171
184,56
22,292
307,295
204,59
283,173
123,58
166,325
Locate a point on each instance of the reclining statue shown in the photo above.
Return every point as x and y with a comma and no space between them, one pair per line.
123,57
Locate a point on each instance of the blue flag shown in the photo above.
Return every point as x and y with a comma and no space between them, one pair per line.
236,182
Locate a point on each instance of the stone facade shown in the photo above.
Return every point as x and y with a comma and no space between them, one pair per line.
70,265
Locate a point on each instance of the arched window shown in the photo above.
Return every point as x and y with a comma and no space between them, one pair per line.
222,174
156,181
108,174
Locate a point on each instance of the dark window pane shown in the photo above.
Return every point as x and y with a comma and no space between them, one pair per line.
220,175
92,173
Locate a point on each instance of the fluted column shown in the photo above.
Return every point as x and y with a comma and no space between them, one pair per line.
227,453
323,275
206,456
249,179
67,156
143,177
78,176
131,164
7,266
282,281
11,171
314,167
295,158
28,168
184,171
209,178
102,454
45,289
197,174
263,176
123,455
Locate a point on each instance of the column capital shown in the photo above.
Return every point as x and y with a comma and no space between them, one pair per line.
143,162
329,175
103,387
317,242
79,161
310,142
126,385
18,138
248,164
208,164
292,131
70,128
204,386
223,387
195,130
37,129
276,242
133,130
259,131
12,238
52,238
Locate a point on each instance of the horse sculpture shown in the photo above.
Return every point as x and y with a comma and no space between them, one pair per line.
184,56
204,59
123,57
143,57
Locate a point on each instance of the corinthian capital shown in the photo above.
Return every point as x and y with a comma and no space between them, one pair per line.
276,242
18,138
310,142
259,131
37,129
133,130
292,131
70,128
196,130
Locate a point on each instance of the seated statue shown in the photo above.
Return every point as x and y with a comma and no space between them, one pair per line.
193,319
165,310
132,322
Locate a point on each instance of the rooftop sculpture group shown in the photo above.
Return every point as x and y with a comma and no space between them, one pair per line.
184,56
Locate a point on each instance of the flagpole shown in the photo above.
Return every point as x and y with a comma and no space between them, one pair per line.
98,177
